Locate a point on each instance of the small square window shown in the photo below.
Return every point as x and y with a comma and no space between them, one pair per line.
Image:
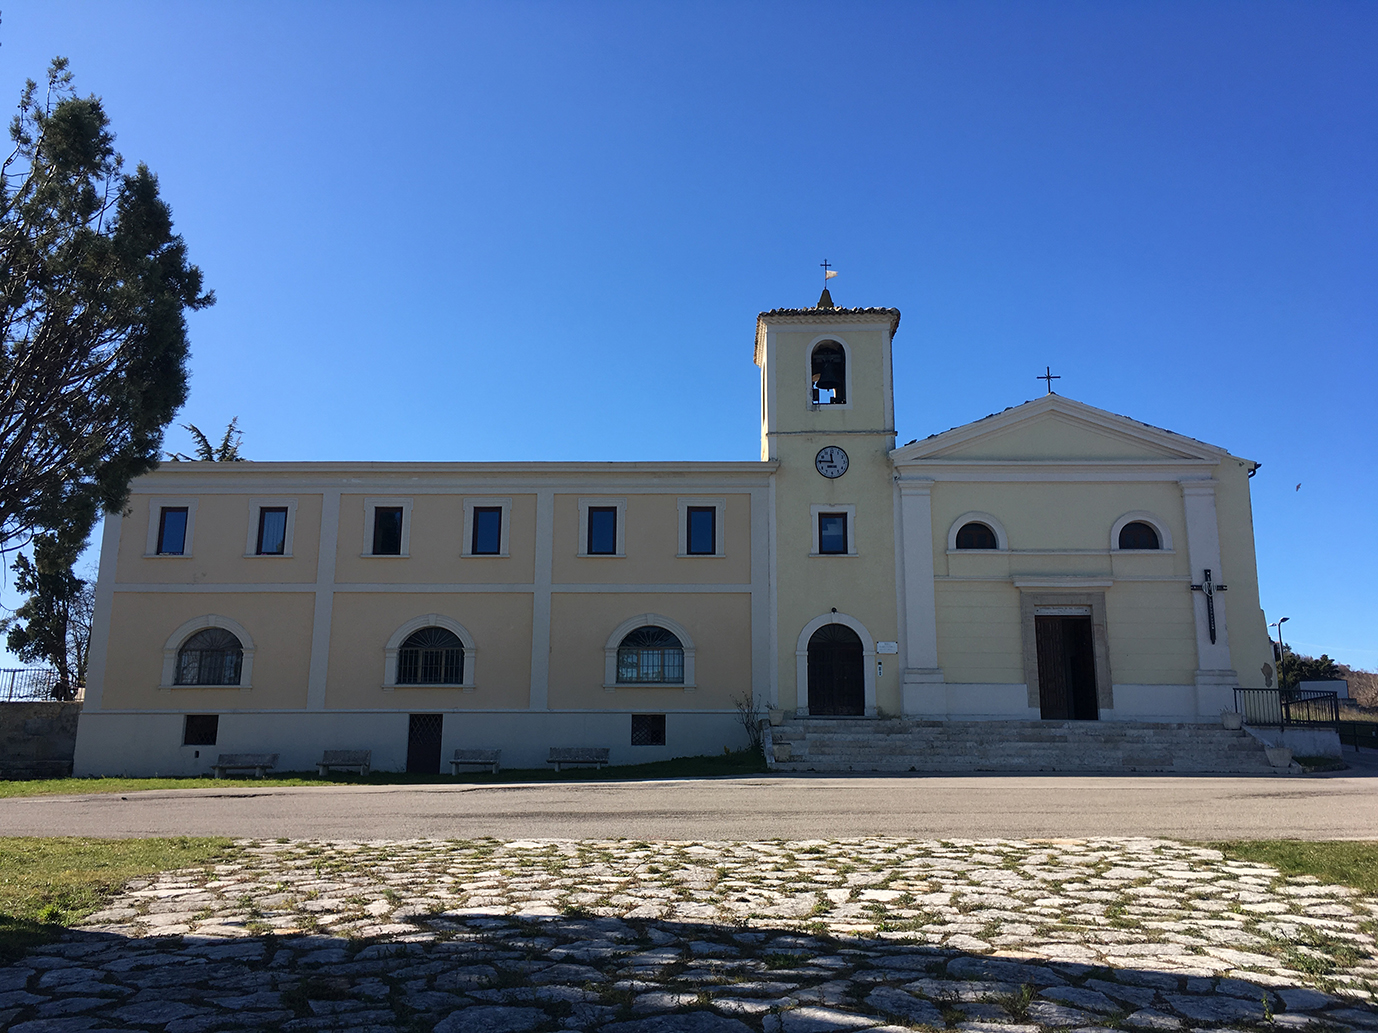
200,729
648,729
387,531
172,531
701,535
832,533
602,531
487,539
272,531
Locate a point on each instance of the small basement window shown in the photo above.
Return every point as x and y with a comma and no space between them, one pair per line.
200,729
648,729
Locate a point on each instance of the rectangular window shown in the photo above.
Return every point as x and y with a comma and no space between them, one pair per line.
200,729
602,531
487,539
648,729
387,531
701,534
272,531
832,533
172,531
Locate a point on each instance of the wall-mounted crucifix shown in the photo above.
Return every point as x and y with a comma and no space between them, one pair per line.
1208,590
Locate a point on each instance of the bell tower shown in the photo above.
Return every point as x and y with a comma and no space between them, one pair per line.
828,419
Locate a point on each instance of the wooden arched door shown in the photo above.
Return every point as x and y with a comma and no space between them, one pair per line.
837,681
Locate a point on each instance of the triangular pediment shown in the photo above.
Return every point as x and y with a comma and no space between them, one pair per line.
1058,429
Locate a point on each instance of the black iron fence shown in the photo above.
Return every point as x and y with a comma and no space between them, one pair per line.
34,685
1279,707
1362,735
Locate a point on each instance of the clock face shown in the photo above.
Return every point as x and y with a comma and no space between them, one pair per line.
831,461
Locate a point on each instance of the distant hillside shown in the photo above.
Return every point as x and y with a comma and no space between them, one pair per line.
1363,685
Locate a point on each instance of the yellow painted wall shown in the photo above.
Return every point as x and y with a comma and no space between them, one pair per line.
279,622
1053,436
218,540
719,624
362,623
979,637
434,551
1249,643
652,544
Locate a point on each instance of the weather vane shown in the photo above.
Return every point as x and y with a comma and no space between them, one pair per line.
1049,376
828,271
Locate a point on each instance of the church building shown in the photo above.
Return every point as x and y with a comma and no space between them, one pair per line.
1053,567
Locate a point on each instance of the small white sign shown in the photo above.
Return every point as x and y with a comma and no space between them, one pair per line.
887,647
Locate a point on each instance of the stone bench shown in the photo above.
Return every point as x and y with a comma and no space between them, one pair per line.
481,758
578,755
354,759
258,763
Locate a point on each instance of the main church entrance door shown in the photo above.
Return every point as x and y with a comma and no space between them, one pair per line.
1066,669
837,684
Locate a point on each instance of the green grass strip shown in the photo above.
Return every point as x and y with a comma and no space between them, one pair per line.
1341,863
742,762
50,882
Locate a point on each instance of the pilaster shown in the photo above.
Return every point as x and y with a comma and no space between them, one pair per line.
1214,677
920,604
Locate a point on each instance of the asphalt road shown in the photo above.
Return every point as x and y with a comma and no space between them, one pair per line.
1340,806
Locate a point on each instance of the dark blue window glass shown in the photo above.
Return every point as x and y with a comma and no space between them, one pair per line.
487,531
272,532
387,531
602,531
172,532
702,531
832,532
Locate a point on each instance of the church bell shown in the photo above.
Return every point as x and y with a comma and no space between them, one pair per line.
828,378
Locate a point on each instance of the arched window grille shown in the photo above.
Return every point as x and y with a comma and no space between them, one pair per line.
977,536
1139,535
210,657
651,655
431,656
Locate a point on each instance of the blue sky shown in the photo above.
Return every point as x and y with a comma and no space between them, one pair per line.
516,231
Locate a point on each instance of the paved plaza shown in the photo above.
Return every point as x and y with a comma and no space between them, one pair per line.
991,936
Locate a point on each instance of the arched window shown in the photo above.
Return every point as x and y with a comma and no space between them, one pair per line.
210,657
976,536
650,655
431,656
1139,535
829,368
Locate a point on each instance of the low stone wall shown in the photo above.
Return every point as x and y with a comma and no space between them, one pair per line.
37,739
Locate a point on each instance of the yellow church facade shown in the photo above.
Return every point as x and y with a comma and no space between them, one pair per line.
1051,563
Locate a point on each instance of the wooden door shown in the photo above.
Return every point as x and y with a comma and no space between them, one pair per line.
837,680
1066,668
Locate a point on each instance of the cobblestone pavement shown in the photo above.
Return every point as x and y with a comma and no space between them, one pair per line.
627,937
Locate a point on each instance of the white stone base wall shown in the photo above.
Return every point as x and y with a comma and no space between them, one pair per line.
142,744
1303,742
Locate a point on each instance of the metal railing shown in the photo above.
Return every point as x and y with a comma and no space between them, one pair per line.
1280,707
1359,734
35,685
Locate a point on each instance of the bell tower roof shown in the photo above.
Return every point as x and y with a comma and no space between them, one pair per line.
822,315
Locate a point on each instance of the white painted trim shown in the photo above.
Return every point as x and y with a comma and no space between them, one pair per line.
1002,539
808,374
371,505
323,610
466,544
868,659
1203,551
641,620
1145,517
430,620
850,510
100,618
719,505
762,688
156,506
256,505
179,637
543,575
920,612
773,623
598,502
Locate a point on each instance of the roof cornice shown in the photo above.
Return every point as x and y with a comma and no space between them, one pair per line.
884,317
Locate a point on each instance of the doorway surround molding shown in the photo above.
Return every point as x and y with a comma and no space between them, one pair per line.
868,660
1031,599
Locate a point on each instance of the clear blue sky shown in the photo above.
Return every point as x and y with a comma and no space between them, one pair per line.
516,231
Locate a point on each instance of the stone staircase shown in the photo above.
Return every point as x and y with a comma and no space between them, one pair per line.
904,744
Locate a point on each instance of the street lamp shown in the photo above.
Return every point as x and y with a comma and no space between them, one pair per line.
1282,649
